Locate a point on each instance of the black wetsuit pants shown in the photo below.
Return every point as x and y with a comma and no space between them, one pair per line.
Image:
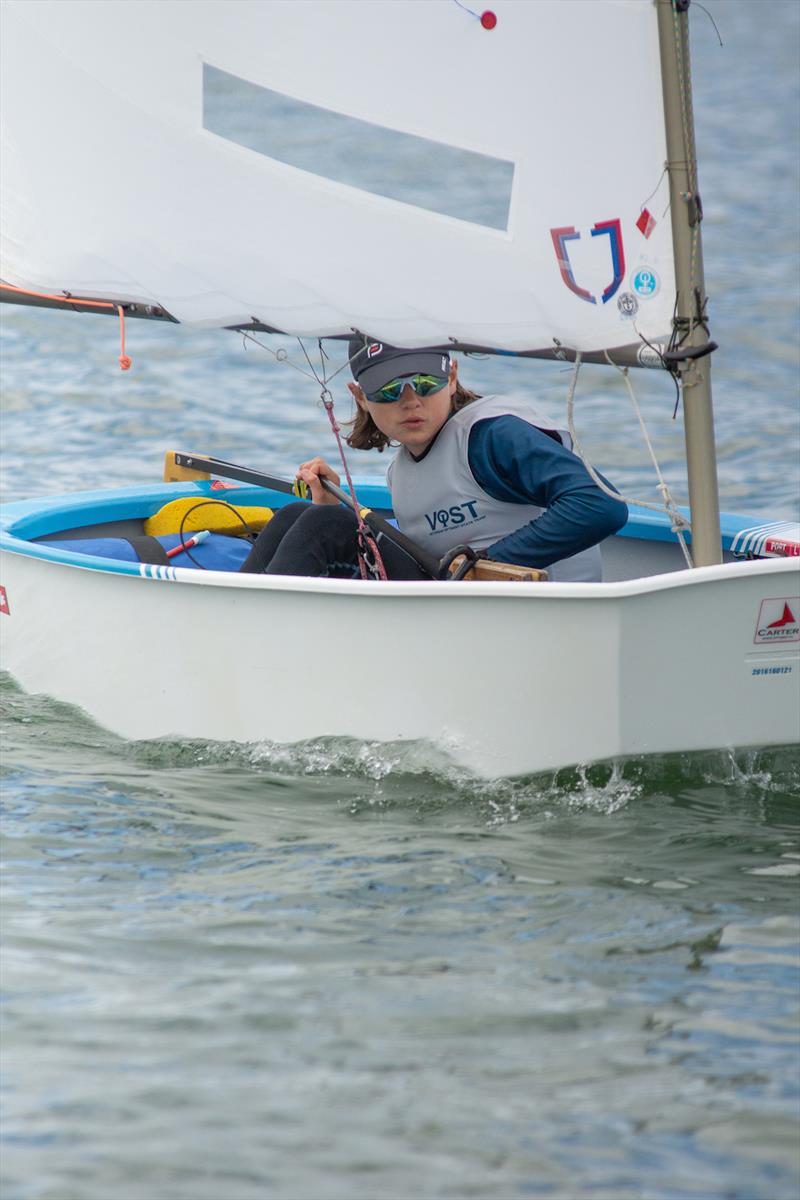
320,539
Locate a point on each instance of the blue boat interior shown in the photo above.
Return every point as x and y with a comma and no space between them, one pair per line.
104,530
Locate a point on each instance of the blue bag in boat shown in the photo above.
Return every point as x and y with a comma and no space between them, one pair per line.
216,553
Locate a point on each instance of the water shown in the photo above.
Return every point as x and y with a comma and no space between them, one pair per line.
351,971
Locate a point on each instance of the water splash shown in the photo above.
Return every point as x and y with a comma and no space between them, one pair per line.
389,774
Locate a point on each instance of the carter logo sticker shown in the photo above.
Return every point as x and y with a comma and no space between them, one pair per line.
778,621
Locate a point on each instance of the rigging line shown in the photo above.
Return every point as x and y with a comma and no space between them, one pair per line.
660,354
323,357
323,381
348,362
311,365
675,340
687,120
471,11
676,518
687,114
279,355
370,561
643,205
711,19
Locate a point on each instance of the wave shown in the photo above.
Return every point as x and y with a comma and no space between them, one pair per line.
427,772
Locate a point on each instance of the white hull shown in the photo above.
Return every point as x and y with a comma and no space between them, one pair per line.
508,678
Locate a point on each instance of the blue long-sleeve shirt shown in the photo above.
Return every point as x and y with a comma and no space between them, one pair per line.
517,463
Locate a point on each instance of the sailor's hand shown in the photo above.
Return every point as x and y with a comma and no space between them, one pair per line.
311,473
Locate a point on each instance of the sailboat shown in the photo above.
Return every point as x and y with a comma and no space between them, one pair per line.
178,178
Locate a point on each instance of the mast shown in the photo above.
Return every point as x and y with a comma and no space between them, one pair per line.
691,353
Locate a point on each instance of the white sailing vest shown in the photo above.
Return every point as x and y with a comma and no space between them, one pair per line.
439,504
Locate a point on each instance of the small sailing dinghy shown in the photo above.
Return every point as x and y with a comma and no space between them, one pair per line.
177,177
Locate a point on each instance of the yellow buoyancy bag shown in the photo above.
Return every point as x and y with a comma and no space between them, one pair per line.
189,514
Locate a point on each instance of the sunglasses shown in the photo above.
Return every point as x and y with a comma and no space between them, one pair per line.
423,385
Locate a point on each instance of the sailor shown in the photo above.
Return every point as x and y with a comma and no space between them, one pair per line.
490,472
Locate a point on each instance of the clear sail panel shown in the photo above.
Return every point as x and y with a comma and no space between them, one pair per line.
385,162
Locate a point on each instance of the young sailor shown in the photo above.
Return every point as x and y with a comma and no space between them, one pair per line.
490,472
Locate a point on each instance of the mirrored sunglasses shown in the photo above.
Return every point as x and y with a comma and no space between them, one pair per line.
423,385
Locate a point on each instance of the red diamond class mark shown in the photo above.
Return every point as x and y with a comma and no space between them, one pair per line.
4,602
786,618
646,223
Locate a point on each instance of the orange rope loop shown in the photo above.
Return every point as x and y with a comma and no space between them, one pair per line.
125,362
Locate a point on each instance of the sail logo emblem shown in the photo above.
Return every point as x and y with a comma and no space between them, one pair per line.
778,621
374,349
567,233
4,602
628,305
645,283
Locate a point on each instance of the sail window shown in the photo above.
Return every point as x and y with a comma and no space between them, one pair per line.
401,166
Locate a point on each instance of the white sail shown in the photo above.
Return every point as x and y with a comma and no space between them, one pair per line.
318,166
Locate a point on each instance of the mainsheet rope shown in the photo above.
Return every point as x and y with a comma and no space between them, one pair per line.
370,562
678,522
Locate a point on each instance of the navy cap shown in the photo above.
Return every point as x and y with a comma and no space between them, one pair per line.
375,364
